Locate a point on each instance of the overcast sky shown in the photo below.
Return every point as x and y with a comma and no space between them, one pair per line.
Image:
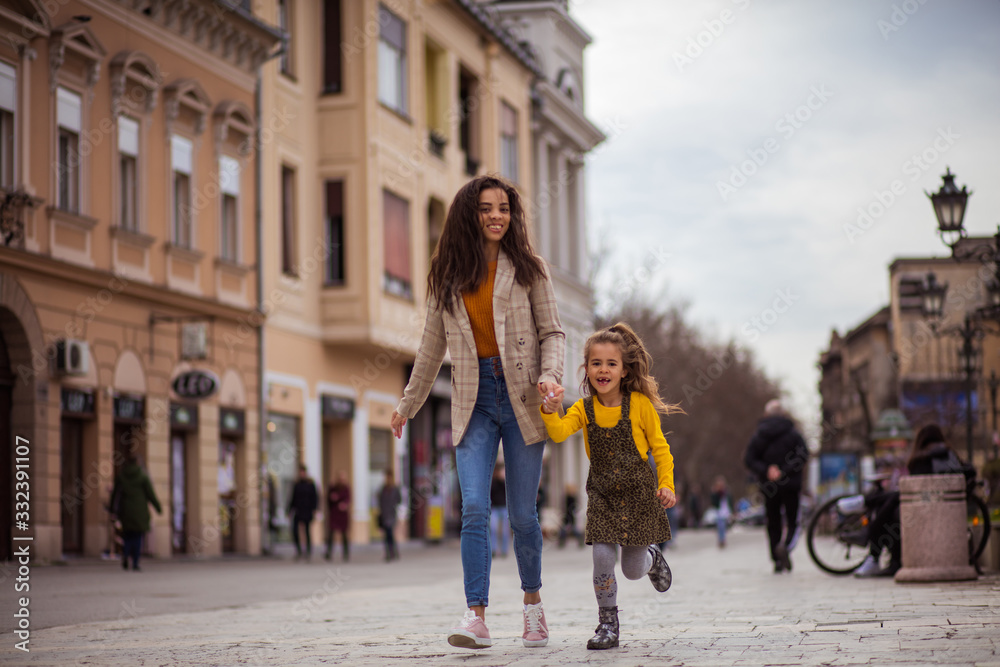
745,135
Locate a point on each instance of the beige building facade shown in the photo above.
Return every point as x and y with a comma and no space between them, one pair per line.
128,285
378,113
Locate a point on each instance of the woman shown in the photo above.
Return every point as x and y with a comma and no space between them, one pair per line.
492,307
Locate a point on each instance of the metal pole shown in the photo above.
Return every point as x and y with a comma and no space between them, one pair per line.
967,353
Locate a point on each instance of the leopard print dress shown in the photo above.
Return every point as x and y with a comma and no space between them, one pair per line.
622,507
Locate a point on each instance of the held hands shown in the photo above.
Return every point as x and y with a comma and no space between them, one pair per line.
773,473
397,423
666,498
552,395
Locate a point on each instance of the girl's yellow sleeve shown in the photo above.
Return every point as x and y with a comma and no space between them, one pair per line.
653,430
560,428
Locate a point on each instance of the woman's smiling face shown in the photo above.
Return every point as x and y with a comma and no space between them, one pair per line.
494,214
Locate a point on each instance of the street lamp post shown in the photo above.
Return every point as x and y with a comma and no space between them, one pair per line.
949,207
994,384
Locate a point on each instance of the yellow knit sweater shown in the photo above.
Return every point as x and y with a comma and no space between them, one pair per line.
479,305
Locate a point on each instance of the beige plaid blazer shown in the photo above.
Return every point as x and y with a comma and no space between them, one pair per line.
532,347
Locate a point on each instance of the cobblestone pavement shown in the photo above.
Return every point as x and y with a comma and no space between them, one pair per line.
726,607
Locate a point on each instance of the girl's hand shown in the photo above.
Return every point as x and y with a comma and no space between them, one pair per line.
397,423
552,399
666,498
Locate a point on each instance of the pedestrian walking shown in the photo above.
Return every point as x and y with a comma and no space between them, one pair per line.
723,508
130,500
338,513
492,306
777,455
389,499
625,502
568,527
500,535
301,508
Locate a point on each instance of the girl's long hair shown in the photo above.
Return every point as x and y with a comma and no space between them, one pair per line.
636,362
459,262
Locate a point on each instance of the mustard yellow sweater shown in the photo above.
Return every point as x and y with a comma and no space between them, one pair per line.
646,431
479,305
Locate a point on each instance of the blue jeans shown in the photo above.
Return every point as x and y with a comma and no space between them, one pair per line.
492,421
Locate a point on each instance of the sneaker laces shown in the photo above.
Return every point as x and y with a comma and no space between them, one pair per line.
469,618
533,617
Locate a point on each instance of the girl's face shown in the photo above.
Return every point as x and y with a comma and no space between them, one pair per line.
605,372
494,215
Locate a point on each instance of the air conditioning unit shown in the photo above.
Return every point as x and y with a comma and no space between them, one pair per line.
72,357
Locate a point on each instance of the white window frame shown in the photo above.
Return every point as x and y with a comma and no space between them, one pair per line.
392,82
229,208
128,173
8,126
69,123
508,143
181,168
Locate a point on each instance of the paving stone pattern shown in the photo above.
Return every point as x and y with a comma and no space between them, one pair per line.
726,607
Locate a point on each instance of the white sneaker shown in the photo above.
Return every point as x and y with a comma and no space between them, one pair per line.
867,568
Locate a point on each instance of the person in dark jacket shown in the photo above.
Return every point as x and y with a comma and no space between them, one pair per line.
130,499
388,502
301,508
338,512
777,455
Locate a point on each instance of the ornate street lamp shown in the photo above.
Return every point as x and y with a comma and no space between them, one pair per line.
933,298
949,207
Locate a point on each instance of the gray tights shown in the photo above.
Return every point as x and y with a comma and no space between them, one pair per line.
636,562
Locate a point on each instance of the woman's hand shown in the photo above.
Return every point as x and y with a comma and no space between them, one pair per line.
552,395
397,423
666,498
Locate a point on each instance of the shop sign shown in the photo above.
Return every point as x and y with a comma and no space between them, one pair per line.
78,401
129,409
337,407
196,384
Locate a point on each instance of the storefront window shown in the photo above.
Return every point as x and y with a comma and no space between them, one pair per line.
280,458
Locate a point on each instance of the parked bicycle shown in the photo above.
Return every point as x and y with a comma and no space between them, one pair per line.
837,537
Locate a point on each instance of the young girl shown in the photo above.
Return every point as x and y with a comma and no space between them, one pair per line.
625,503
491,305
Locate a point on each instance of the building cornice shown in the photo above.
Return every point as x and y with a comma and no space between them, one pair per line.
485,17
21,262
558,111
553,7
229,35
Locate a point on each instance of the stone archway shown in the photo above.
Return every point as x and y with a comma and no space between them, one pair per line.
24,371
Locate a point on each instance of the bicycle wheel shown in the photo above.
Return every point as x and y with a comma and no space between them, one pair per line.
826,538
979,526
